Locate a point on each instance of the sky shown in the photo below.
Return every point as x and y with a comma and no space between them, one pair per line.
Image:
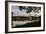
17,12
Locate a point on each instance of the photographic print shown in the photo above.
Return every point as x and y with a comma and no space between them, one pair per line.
24,16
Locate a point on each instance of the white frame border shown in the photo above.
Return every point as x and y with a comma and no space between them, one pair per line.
23,29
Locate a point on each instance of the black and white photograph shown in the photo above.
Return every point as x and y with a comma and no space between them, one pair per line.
24,16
